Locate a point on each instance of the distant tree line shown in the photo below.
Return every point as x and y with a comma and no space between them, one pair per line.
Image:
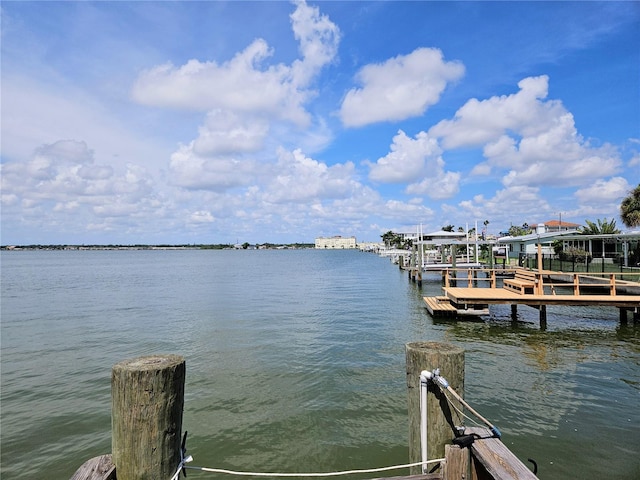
190,246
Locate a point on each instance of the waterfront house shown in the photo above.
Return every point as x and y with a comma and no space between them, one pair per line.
621,248
556,226
528,244
605,248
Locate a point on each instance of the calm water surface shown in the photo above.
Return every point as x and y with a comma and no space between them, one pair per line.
295,362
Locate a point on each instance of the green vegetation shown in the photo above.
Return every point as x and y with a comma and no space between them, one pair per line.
576,254
391,239
516,231
603,227
630,208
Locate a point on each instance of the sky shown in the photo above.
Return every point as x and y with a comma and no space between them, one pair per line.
231,122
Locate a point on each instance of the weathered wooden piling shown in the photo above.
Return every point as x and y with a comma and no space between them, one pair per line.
429,356
147,400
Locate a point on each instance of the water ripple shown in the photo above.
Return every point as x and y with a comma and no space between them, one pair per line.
295,361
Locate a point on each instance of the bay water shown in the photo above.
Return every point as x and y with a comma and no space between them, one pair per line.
295,362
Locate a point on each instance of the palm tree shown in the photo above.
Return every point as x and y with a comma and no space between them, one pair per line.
388,238
603,227
515,231
484,230
630,208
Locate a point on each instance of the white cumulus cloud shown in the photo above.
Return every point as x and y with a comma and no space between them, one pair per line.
318,40
402,87
418,162
300,178
407,159
218,173
612,190
511,205
201,216
479,122
62,183
439,184
226,132
246,83
532,139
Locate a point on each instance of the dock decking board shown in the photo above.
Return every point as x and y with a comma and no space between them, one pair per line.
499,462
493,296
440,306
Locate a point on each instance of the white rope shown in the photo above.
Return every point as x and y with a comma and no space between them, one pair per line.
326,474
182,465
444,385
460,412
177,474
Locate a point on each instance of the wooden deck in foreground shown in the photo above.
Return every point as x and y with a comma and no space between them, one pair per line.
487,459
477,456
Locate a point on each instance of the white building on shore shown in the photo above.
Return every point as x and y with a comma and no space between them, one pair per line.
336,242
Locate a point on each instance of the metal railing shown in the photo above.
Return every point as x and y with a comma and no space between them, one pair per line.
611,263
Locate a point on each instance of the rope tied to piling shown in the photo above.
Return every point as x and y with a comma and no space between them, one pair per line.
184,459
442,382
322,474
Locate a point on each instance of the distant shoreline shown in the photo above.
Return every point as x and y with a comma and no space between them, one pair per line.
264,246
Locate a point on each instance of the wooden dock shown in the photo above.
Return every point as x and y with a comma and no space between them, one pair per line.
536,289
493,296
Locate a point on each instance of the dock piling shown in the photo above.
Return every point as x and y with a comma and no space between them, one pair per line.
147,401
429,356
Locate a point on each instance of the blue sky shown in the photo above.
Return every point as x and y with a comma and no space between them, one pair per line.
217,122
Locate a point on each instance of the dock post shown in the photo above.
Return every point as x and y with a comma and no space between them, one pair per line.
454,252
543,317
623,315
514,312
429,356
612,284
147,400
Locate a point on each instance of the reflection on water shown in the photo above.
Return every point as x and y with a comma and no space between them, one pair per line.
295,362
567,396
576,382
